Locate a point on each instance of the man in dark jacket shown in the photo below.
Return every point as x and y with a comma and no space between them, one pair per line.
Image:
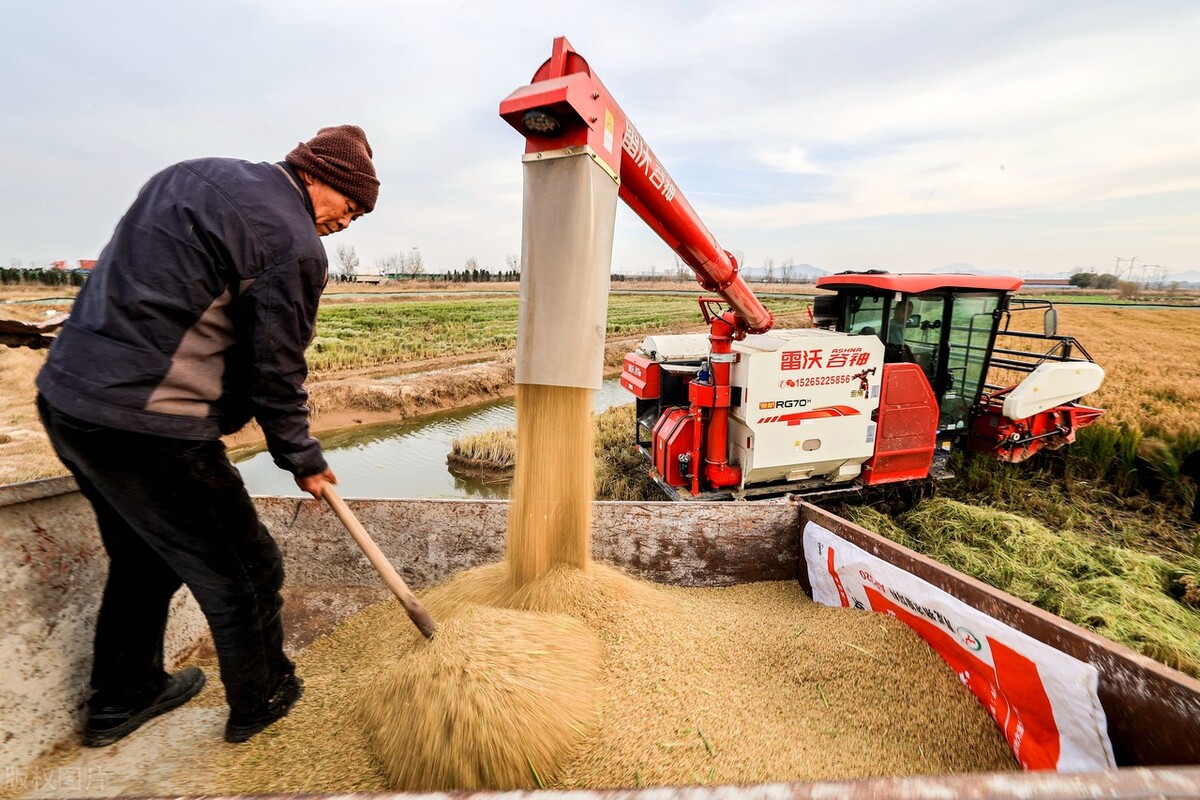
195,320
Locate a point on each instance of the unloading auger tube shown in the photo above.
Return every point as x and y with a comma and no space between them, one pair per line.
566,111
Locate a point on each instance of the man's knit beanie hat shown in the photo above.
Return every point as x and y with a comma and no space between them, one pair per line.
341,157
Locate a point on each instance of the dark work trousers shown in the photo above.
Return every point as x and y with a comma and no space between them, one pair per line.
172,512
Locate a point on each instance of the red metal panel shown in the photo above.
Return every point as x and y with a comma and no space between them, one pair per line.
907,427
672,438
641,376
709,396
922,282
1016,440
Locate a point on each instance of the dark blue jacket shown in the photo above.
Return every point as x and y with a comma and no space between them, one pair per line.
198,312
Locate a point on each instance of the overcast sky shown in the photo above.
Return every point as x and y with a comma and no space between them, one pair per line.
1019,136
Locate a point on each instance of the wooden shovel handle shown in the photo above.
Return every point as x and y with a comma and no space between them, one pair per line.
412,606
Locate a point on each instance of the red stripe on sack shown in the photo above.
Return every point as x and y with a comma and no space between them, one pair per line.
837,581
1035,730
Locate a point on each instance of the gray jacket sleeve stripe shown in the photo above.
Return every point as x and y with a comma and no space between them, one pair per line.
193,382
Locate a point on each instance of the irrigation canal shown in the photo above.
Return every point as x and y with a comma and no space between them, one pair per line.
408,459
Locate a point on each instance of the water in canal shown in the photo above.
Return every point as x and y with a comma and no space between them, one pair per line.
409,459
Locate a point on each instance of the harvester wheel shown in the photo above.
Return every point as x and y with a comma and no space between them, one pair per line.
905,496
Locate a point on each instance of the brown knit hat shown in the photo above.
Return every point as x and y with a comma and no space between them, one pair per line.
341,157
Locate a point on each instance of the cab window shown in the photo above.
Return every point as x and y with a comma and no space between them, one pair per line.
971,324
864,315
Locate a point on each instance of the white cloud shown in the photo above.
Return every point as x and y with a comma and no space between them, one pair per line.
794,159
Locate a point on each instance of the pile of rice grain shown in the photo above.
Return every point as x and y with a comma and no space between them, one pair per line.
746,684
497,699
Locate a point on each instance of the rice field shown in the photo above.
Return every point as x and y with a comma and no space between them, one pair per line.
1149,356
354,335
1151,395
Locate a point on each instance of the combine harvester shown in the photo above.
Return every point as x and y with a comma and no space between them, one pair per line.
1067,700
889,380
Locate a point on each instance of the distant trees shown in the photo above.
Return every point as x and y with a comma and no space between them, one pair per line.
1090,280
786,269
482,275
473,273
401,265
682,271
347,259
1127,290
414,265
15,275
391,264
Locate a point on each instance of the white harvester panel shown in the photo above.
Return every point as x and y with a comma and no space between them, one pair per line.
676,346
807,399
1052,384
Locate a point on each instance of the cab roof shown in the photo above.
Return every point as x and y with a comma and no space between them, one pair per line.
916,283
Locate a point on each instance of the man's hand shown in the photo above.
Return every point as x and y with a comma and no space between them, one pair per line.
315,484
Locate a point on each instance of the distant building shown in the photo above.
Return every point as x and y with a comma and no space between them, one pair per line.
84,264
1048,283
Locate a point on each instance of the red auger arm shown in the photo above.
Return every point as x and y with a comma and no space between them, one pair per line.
566,107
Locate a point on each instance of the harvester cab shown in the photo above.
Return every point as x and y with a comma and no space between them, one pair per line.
1001,391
